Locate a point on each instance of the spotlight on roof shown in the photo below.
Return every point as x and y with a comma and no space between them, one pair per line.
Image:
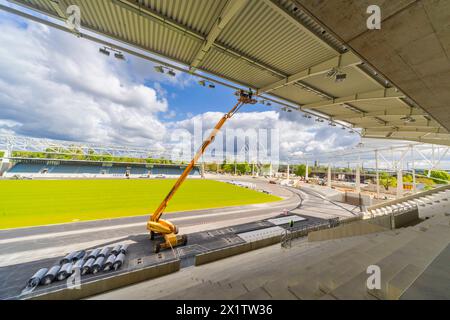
340,77
104,51
335,74
119,56
332,124
408,119
265,102
171,73
205,83
332,73
159,69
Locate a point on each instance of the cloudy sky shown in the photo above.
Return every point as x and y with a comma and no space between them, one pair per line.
55,85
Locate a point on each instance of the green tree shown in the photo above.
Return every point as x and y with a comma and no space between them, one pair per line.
386,180
300,170
438,176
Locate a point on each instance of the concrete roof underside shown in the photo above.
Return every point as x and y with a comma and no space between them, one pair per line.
277,48
412,49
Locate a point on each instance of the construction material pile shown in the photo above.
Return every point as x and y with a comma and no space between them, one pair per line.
80,263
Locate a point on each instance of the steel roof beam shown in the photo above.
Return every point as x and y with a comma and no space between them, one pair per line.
404,128
178,27
59,7
289,16
423,139
341,61
232,7
383,94
398,112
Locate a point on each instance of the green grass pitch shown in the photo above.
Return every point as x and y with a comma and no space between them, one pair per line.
40,202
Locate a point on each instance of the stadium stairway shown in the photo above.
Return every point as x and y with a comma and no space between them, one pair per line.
332,269
428,204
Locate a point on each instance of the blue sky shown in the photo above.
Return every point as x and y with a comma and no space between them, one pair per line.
55,85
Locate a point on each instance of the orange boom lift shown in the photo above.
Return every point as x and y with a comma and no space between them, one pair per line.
155,224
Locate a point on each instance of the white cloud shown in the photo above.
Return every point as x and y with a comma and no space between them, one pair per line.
297,136
55,85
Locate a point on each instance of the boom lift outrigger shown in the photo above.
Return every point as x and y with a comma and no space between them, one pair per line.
155,224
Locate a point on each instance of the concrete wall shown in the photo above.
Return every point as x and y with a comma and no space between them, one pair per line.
117,281
406,218
245,247
356,228
411,197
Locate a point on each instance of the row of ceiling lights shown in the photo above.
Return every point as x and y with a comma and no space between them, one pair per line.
209,84
107,51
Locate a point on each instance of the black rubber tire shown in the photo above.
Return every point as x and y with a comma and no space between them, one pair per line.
152,235
156,248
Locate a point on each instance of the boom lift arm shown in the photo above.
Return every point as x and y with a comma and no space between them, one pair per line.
155,224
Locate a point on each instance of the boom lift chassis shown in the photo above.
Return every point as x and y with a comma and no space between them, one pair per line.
167,229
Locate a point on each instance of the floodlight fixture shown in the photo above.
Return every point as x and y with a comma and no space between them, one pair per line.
119,56
104,51
159,69
340,77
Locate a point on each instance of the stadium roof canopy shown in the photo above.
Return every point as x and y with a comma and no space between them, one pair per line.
272,46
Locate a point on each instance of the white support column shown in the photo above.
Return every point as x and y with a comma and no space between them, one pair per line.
202,170
358,180
270,170
413,170
287,174
377,174
399,182
329,176
306,173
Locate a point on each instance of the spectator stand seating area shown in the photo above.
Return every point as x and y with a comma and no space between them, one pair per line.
78,169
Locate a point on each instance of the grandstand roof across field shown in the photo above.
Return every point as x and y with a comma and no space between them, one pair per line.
88,162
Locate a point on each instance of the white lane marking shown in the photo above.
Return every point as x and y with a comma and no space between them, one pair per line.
124,226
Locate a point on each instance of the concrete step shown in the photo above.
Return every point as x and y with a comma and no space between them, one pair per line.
255,277
304,280
257,294
360,260
291,267
419,252
279,292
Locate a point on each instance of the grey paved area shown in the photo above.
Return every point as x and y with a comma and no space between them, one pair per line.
434,283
